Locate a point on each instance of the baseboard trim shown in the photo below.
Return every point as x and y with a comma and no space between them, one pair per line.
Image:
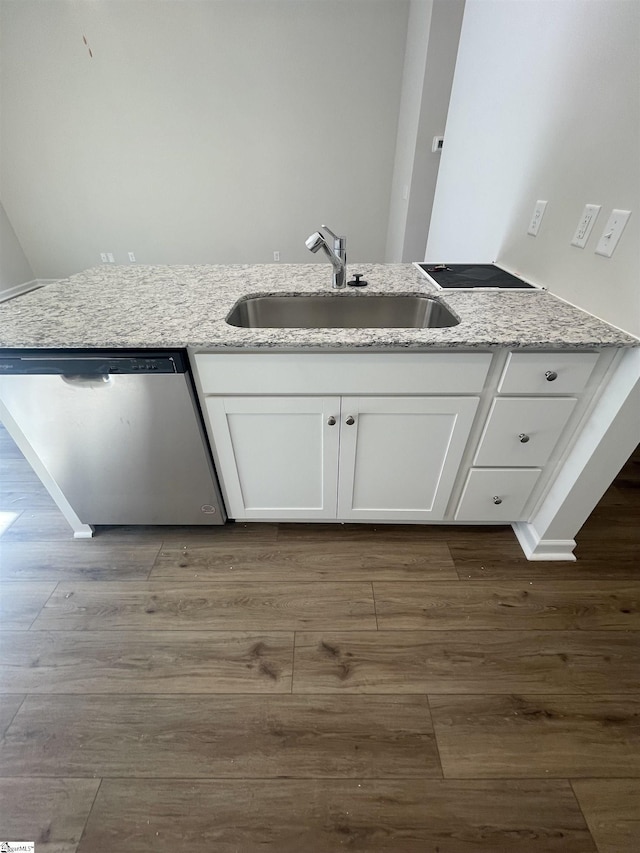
536,548
19,289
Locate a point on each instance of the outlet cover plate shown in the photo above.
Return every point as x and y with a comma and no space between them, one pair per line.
587,220
536,219
612,232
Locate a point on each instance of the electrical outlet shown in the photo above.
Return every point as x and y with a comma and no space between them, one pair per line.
276,256
110,258
536,219
612,232
103,257
587,220
437,144
132,257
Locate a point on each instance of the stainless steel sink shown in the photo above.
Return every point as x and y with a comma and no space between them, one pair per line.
341,311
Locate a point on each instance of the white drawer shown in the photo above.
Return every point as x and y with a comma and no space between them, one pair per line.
496,494
522,432
344,373
547,372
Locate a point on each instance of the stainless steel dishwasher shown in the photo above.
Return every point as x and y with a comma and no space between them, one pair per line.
119,433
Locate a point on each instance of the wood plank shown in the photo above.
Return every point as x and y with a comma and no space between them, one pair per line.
75,559
509,605
482,556
189,606
546,736
34,524
8,709
21,602
51,812
466,662
323,816
145,662
222,736
233,532
403,536
17,495
612,810
323,560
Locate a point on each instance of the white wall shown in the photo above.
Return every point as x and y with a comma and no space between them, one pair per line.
545,105
14,267
415,61
432,44
442,50
200,130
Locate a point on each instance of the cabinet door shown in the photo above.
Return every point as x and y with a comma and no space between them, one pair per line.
400,456
277,456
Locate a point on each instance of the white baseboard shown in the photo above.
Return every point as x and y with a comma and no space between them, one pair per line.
19,289
536,548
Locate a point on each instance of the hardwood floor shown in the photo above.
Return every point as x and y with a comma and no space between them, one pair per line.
294,688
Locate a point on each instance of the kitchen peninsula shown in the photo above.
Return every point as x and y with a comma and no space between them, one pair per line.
521,413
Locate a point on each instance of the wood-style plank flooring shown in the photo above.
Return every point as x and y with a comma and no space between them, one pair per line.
317,688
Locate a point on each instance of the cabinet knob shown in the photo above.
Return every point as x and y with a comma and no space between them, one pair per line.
497,500
350,420
524,438
550,375
331,421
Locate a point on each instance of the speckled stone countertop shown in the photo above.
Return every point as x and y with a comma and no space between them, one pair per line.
186,306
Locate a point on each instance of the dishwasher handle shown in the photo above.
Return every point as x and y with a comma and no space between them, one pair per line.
80,380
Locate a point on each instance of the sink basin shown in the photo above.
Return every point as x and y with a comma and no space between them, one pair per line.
341,311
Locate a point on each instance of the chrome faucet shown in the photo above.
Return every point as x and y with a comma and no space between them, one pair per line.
337,254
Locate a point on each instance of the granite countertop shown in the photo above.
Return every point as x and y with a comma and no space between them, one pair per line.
185,306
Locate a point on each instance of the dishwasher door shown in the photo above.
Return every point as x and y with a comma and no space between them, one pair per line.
123,448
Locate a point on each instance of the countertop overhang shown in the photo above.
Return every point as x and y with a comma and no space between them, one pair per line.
166,307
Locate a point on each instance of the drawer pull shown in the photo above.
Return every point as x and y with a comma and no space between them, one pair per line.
551,375
524,438
331,421
350,420
497,500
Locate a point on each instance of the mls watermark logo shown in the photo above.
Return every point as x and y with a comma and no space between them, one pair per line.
17,846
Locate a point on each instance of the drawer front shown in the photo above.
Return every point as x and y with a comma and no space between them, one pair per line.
522,432
352,373
496,494
547,373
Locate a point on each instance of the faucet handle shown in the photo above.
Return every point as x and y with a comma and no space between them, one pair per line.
339,243
330,232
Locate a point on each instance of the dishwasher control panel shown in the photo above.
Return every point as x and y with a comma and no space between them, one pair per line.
90,365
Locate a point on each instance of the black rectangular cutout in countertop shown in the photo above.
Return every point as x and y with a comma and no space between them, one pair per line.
470,276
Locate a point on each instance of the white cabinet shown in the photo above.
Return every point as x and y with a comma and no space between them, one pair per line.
547,372
496,494
376,458
399,456
276,456
403,436
522,432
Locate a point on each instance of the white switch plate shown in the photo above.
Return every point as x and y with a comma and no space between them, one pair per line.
437,144
132,257
587,220
536,219
612,232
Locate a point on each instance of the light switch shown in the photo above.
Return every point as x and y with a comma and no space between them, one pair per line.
587,220
536,219
612,232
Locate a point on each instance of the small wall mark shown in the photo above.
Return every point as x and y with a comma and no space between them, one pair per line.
84,39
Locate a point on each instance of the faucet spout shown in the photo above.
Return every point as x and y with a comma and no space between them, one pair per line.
337,253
